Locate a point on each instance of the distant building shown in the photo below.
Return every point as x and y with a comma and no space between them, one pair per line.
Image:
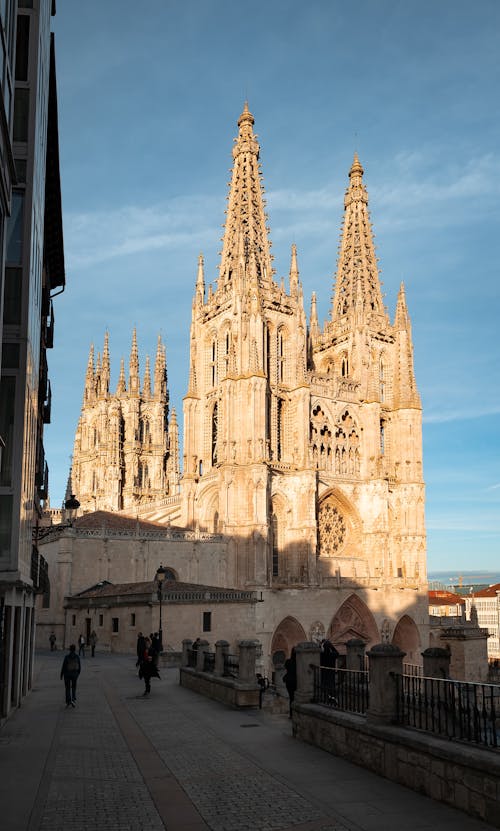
33,273
485,603
443,603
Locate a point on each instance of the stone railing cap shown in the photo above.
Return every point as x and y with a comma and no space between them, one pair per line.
386,649
436,652
306,646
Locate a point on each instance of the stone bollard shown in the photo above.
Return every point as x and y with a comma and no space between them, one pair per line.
307,653
386,660
221,649
355,655
436,662
200,656
246,670
186,646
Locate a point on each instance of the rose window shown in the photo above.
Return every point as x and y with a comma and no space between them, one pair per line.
332,530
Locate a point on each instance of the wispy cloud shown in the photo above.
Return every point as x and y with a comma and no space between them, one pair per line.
459,414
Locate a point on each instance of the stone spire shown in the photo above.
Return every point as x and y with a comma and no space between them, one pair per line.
133,383
146,387
160,389
314,327
121,387
89,377
357,289
105,369
200,282
246,234
405,386
294,272
173,468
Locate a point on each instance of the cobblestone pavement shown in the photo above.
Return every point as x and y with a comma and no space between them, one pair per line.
174,760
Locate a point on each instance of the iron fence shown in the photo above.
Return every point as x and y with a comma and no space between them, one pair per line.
416,670
231,666
457,709
208,661
344,689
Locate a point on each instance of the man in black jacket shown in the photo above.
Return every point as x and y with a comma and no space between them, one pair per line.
70,671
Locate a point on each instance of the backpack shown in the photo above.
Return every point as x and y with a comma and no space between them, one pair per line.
72,663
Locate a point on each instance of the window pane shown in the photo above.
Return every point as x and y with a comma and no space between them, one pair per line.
12,296
22,47
20,170
5,524
10,356
7,398
21,113
15,229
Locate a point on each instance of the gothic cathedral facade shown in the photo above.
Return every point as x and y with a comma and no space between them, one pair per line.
302,445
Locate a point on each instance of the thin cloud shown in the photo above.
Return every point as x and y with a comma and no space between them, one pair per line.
460,415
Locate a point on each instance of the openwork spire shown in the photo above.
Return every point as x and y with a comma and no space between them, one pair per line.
134,365
146,387
105,370
357,288
245,238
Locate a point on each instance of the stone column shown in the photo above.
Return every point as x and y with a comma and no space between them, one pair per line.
221,649
386,661
307,654
186,646
436,662
200,657
355,657
246,671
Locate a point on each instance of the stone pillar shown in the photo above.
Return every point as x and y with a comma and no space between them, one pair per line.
386,661
355,656
307,654
436,662
200,657
221,649
186,646
246,671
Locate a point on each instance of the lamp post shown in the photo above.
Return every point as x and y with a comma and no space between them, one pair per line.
71,508
160,577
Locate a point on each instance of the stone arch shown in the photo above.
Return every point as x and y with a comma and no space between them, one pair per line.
208,507
407,637
321,437
279,509
287,635
347,445
282,353
353,619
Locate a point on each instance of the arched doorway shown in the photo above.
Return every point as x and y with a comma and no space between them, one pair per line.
407,637
286,635
353,620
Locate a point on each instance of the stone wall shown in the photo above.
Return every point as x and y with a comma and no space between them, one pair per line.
463,776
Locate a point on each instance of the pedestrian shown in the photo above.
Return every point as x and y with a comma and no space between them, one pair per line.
141,646
290,678
155,646
81,646
196,644
93,641
52,641
147,667
70,671
328,660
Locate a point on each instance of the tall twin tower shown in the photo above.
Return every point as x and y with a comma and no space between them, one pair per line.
302,444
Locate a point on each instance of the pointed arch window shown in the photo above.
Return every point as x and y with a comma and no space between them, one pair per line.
347,460
227,350
344,365
215,433
275,546
267,351
280,425
382,436
281,355
144,431
213,363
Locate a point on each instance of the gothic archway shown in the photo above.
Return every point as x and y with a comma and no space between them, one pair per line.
286,635
407,637
353,620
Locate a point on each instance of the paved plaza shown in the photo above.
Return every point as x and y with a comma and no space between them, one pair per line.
175,760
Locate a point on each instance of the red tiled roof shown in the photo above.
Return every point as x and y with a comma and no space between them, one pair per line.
113,589
489,592
118,522
445,598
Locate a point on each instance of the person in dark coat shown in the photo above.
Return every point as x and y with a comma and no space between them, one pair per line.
290,677
70,671
328,660
147,667
141,646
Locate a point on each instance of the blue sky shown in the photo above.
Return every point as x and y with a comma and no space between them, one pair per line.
149,96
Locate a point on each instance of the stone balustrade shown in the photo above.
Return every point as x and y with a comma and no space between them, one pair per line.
239,689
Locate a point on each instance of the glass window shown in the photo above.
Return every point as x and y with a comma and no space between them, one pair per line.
101,620
12,296
7,399
73,620
132,619
15,229
115,624
21,113
21,170
22,47
5,524
207,621
10,356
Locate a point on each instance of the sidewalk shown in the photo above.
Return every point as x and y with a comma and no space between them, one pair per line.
175,760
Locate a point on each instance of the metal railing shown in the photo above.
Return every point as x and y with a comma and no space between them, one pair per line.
231,666
192,657
457,709
208,661
416,670
344,689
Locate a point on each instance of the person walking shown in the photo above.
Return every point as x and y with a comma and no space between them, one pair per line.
52,641
147,667
141,646
93,641
81,646
70,670
290,678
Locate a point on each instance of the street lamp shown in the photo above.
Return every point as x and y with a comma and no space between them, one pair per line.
160,577
71,508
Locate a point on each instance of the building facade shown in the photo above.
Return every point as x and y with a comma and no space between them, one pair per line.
34,272
302,445
485,605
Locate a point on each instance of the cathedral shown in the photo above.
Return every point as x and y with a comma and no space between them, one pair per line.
302,446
